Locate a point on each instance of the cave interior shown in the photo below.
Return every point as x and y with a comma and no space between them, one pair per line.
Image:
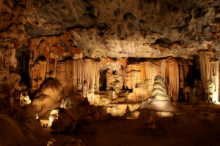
109,72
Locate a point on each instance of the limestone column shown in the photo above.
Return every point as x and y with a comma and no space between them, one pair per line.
51,65
182,79
215,78
173,79
75,71
204,60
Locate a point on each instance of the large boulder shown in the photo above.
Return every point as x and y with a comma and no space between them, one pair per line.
66,121
52,88
89,113
43,103
30,120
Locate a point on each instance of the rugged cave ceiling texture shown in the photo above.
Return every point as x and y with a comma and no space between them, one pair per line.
109,72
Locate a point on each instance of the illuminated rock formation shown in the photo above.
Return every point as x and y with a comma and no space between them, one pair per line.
24,100
159,91
52,88
215,78
37,72
88,113
209,67
173,74
42,104
51,65
205,69
66,121
114,80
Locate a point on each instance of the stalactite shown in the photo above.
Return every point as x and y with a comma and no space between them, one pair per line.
173,74
163,69
182,78
51,65
215,78
204,61
80,75
142,66
61,73
186,69
109,79
97,76
148,73
69,77
85,77
73,66
37,72
155,69
92,82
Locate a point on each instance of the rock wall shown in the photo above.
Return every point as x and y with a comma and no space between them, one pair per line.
13,18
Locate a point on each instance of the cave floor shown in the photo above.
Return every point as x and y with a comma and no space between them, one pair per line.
195,124
192,125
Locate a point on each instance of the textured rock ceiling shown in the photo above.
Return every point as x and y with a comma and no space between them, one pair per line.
130,28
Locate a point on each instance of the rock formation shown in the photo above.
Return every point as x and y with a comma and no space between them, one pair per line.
210,75
173,74
159,91
66,121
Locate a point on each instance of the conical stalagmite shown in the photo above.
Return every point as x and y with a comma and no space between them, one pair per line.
159,91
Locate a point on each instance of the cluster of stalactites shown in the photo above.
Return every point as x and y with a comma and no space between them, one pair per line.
138,76
174,71
209,67
74,75
174,81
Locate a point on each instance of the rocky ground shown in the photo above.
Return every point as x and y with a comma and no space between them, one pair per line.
191,125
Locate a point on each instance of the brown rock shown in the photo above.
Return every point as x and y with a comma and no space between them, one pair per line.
66,121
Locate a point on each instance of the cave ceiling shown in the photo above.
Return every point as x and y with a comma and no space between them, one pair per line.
128,28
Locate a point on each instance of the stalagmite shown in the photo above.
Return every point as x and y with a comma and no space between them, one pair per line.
159,91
